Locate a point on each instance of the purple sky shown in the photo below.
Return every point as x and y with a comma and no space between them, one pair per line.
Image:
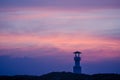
61,3
40,36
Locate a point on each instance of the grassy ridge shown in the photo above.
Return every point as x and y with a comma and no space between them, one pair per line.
63,76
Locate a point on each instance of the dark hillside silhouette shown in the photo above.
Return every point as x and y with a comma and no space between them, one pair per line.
63,76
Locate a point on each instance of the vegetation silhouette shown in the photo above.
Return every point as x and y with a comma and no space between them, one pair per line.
63,76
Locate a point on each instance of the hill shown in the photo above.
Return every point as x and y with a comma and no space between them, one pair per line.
63,76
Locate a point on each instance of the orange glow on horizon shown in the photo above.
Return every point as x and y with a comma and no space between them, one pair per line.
58,41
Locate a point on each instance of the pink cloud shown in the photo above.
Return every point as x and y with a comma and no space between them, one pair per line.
93,48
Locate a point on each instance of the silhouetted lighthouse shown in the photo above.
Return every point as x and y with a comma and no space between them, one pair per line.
77,67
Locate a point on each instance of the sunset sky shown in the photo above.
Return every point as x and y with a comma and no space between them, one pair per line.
40,36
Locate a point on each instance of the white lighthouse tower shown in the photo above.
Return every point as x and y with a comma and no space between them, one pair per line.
77,67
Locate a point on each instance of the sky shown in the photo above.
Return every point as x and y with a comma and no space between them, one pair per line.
40,36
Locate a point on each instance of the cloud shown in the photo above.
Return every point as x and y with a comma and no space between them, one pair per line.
100,54
91,52
44,21
112,34
32,51
61,3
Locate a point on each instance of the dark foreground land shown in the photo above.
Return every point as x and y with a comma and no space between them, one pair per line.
63,76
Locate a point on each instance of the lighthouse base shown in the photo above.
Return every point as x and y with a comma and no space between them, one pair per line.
77,69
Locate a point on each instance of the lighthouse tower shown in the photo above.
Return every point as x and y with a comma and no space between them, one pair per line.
77,67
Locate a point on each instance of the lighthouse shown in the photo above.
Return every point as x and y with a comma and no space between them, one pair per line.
77,67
